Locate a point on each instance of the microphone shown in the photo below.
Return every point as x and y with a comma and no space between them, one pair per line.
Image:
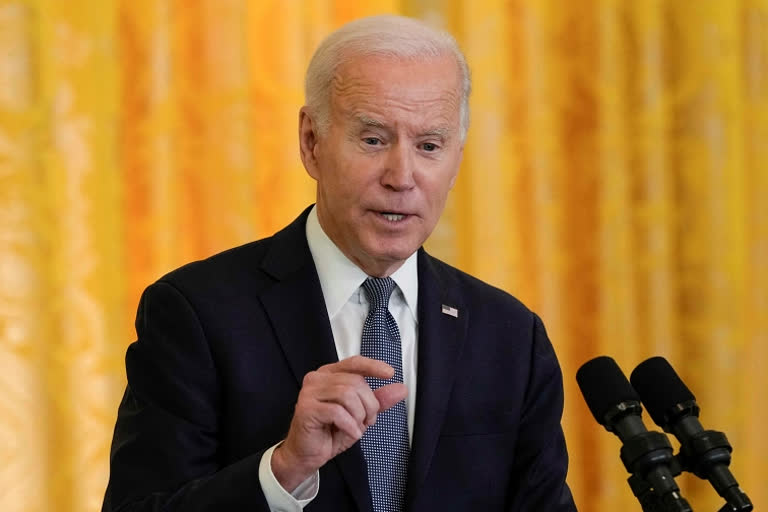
705,453
647,456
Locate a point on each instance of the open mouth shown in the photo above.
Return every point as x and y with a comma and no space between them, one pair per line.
393,217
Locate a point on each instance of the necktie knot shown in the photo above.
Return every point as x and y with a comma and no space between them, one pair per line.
378,290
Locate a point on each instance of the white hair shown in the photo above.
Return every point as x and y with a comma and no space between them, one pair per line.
381,36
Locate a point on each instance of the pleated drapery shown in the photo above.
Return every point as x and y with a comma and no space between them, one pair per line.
613,180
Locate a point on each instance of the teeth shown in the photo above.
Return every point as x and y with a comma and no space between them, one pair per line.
393,217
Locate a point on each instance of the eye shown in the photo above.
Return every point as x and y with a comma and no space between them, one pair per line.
429,147
372,141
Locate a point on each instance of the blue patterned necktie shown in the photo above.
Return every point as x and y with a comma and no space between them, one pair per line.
385,443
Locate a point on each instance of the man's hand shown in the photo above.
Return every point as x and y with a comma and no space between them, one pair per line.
334,408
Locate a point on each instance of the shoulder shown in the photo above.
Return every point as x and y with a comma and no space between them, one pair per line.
472,291
230,265
224,281
250,267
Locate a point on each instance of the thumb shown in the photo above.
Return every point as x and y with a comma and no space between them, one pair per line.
390,394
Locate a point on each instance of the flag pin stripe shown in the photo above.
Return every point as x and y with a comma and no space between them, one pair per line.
449,310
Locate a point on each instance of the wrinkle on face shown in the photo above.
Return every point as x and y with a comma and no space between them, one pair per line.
374,158
365,97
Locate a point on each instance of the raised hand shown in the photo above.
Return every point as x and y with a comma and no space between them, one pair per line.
334,408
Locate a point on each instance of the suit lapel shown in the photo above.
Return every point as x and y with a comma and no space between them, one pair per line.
441,339
296,308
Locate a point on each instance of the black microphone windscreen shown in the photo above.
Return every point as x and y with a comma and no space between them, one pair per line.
660,388
604,386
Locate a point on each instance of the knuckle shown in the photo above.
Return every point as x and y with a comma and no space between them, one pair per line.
309,378
337,410
347,394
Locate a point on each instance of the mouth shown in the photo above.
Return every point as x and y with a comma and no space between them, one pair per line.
393,217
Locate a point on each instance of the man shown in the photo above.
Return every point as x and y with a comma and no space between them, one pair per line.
336,366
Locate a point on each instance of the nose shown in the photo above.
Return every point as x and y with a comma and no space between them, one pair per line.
399,168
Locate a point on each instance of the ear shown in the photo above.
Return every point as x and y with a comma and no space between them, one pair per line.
308,139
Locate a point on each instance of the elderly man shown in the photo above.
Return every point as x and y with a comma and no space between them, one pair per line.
336,366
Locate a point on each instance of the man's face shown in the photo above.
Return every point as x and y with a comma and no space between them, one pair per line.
388,158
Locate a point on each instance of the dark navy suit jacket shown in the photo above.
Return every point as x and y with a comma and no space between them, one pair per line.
223,345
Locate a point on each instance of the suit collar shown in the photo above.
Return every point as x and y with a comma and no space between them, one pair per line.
289,252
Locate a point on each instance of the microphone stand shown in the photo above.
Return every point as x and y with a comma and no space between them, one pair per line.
643,452
710,451
707,454
713,446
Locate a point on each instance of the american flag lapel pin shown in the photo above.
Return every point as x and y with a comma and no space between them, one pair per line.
450,310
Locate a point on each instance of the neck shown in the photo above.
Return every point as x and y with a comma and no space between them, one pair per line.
371,266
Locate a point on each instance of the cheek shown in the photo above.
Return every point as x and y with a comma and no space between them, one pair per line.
356,178
436,190
345,191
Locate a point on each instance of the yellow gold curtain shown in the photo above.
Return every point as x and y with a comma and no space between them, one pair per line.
613,180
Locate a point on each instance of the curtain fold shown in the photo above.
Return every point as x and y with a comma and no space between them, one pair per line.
613,179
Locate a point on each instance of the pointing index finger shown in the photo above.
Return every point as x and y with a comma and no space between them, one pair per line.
360,365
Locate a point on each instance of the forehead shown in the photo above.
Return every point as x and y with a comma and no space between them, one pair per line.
387,89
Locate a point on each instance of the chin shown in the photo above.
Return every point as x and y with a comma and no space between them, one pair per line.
390,249
395,254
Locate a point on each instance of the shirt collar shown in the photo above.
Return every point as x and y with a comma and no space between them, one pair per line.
340,278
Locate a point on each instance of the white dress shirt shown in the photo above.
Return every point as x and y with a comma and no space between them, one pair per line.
347,307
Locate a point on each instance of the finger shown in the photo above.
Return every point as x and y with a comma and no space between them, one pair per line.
360,365
334,414
331,387
371,404
357,400
350,390
390,394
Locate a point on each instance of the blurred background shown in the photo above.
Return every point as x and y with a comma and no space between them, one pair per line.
614,180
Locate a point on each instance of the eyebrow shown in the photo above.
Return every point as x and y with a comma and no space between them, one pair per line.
369,121
442,131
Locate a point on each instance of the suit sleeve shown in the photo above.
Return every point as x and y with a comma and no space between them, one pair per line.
541,459
165,451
